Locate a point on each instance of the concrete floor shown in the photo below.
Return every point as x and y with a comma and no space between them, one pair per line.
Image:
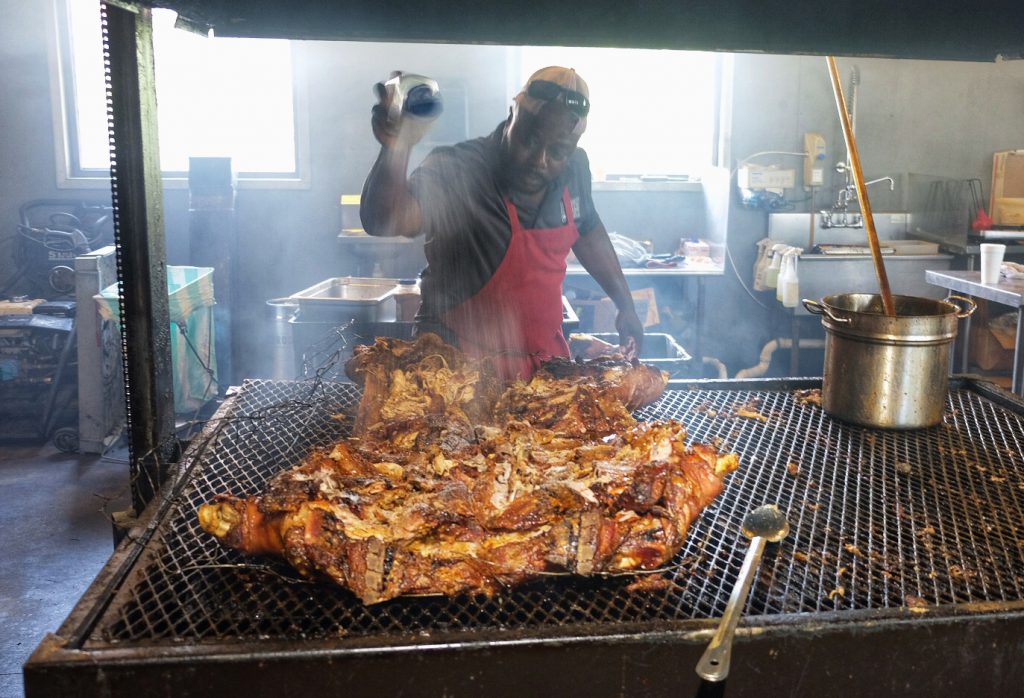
56,539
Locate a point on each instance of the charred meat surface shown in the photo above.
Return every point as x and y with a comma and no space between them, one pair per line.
415,379
454,483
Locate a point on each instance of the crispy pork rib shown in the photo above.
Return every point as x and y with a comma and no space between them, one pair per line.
481,490
592,398
630,382
428,377
414,379
527,503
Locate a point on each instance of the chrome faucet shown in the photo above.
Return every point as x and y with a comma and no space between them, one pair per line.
890,180
846,193
843,200
838,217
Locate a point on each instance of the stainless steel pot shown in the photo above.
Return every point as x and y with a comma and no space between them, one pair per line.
889,372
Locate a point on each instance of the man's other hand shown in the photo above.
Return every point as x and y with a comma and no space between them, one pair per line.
631,333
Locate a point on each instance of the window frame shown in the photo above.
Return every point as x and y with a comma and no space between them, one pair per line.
70,175
720,133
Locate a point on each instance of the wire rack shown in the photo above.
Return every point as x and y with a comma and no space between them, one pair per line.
915,519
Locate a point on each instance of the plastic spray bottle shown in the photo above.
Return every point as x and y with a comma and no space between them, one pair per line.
780,282
771,275
791,284
763,258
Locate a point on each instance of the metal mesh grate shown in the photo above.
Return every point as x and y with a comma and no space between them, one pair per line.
879,520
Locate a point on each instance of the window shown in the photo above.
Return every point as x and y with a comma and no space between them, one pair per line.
215,97
652,114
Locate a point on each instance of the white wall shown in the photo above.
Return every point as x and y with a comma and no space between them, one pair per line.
913,116
925,117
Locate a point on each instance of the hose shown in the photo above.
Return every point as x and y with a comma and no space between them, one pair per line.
723,373
769,349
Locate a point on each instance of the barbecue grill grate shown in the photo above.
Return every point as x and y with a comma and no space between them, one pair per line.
879,520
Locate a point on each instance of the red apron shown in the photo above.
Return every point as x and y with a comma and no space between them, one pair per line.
517,316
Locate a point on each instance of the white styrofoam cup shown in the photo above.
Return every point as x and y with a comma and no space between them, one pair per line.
991,261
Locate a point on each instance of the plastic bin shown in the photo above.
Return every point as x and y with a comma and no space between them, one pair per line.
190,302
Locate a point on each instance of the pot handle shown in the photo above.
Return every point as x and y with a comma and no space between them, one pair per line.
816,308
971,305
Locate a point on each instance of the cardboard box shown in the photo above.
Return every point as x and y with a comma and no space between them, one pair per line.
991,350
1007,202
599,315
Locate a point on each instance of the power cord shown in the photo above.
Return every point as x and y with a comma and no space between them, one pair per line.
732,264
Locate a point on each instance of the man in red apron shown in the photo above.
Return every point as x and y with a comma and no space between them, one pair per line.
500,215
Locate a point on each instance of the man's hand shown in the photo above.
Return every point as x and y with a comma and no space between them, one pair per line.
387,207
393,129
631,333
596,254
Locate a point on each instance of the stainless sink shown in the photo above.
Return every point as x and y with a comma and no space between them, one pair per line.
825,275
795,229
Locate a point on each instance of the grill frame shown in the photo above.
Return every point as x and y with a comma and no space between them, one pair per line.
527,647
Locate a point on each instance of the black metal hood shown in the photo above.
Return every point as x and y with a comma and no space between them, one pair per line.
961,30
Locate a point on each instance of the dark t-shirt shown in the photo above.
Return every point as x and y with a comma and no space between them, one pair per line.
466,223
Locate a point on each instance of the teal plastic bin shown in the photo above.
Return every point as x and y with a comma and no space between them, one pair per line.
190,302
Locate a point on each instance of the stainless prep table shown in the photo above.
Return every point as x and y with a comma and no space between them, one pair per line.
1007,292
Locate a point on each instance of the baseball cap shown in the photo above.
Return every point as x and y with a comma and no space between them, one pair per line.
557,83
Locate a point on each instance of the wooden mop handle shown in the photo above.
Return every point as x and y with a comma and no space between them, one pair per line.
862,191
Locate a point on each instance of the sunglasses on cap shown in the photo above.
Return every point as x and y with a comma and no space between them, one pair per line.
547,91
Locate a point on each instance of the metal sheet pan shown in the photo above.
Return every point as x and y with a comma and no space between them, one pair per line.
344,298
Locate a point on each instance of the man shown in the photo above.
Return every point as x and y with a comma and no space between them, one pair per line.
500,215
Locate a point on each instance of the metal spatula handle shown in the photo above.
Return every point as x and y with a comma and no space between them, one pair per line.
714,664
